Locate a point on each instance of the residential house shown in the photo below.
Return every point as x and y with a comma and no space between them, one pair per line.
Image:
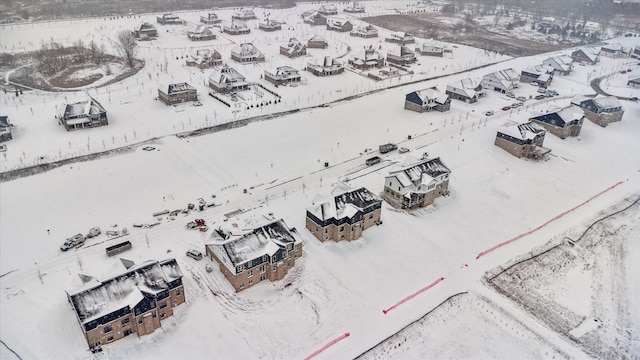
339,24
177,93
294,48
562,123
635,53
400,38
236,27
315,19
417,183
204,59
133,302
601,110
201,33
633,82
169,19
371,58
430,50
5,129
328,9
317,42
548,22
269,25
504,81
401,55
210,19
247,52
364,31
244,14
354,8
613,51
562,64
541,74
227,79
328,67
426,100
523,140
468,90
590,28
586,55
344,216
282,75
145,31
84,114
257,252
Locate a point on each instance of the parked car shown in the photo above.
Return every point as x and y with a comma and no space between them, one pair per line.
197,103
74,241
515,105
488,113
539,97
542,91
506,108
521,98
386,148
534,83
194,254
403,150
511,95
372,161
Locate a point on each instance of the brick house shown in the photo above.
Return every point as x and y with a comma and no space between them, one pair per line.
227,79
364,31
562,123
339,24
169,19
417,183
133,302
400,38
204,59
294,48
265,251
354,8
541,74
562,64
425,100
317,42
586,55
201,33
327,67
523,140
247,52
282,75
401,55
177,93
84,114
468,90
601,110
236,27
269,25
504,81
371,58
5,129
210,19
430,50
244,14
145,31
315,19
344,216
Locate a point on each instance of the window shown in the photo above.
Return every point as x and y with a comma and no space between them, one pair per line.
250,281
163,305
153,314
262,277
178,292
107,329
250,273
127,332
140,321
274,268
163,315
263,268
110,339
124,321
370,216
325,231
341,228
241,285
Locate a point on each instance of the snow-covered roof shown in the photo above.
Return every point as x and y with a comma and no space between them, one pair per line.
238,25
431,94
177,88
254,242
590,52
246,50
200,29
144,27
613,47
561,63
4,122
83,108
415,173
318,38
468,87
364,29
226,75
524,131
344,205
569,115
102,297
606,102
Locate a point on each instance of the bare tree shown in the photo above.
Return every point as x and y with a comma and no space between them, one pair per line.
127,47
96,53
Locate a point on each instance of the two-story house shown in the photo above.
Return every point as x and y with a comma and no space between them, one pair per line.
601,110
401,55
504,81
282,75
227,79
468,90
562,123
424,100
247,52
83,114
417,183
172,94
522,140
294,48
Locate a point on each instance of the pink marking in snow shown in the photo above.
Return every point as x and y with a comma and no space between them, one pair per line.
495,247
385,311
328,345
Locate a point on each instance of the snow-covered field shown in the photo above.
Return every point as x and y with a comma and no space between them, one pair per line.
335,287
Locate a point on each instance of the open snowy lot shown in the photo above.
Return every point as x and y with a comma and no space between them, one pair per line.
335,287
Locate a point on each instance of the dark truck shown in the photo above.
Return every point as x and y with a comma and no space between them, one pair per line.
387,147
374,160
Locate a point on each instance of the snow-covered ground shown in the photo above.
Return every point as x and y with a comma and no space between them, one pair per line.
335,287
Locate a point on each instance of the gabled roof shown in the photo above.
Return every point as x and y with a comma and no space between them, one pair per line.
318,38
345,204
364,29
237,24
200,29
4,122
247,49
562,62
562,117
614,47
178,88
428,95
468,87
252,243
226,75
145,27
588,52
415,173
83,108
524,131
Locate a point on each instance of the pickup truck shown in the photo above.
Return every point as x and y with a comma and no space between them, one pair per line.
74,241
